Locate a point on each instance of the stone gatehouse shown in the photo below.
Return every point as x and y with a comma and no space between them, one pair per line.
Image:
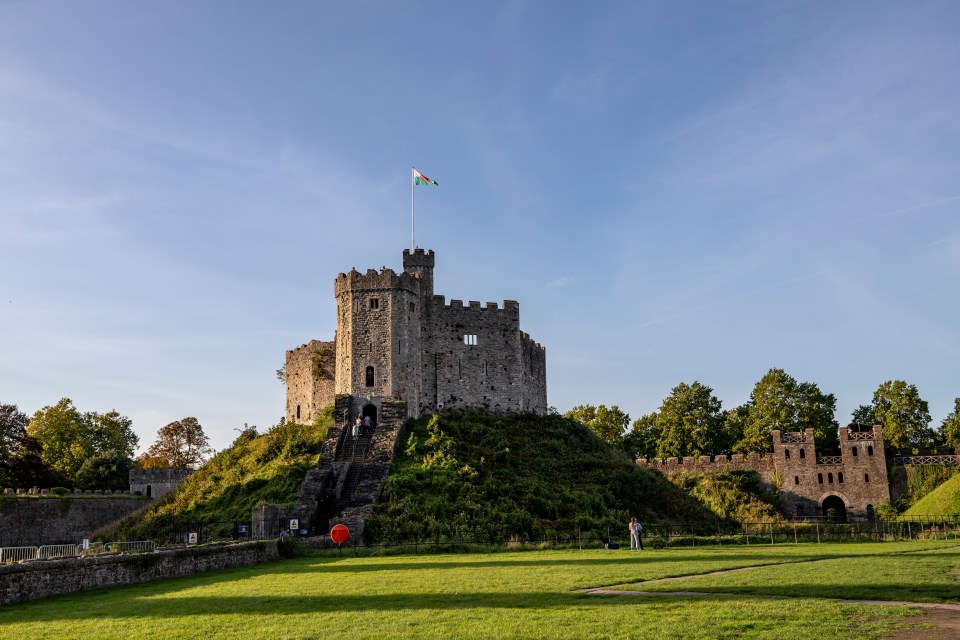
850,483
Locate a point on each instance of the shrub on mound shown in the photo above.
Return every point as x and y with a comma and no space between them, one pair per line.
485,477
256,469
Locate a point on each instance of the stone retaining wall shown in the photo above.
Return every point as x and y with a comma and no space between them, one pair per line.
59,520
44,578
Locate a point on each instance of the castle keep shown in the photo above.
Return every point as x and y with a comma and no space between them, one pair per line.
395,339
399,351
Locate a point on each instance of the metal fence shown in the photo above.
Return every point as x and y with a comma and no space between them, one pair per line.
54,551
50,551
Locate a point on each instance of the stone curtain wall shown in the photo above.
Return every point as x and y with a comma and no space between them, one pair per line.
41,579
534,375
487,374
59,520
156,483
311,371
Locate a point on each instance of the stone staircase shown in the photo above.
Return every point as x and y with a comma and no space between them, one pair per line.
347,483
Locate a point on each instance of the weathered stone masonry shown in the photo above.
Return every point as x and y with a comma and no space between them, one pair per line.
396,339
41,579
852,483
399,351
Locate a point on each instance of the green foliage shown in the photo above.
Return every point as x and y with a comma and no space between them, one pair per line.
778,401
690,422
732,495
110,470
643,438
67,438
950,427
903,414
20,461
489,478
256,469
608,424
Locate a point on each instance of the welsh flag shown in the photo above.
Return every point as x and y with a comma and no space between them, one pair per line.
419,178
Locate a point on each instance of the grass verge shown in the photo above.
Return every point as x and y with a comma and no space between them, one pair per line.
528,594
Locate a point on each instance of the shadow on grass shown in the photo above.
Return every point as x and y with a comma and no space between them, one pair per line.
177,607
902,592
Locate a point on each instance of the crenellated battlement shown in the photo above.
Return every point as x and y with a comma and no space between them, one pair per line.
373,280
533,343
509,307
710,464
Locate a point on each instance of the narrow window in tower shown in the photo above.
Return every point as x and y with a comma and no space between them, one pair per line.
298,412
374,303
786,453
459,369
796,479
866,477
830,478
854,451
820,478
802,454
484,368
869,449
369,376
470,339
840,477
413,307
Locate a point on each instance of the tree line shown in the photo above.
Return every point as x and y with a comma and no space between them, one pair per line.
61,446
692,422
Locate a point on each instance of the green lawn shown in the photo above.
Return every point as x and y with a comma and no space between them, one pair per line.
518,594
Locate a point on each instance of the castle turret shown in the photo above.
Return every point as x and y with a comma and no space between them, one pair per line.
420,263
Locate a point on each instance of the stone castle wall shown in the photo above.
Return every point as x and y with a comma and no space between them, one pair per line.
311,370
42,579
857,475
395,339
156,483
32,521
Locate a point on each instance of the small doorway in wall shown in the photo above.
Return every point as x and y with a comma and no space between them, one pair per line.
149,491
870,513
834,510
371,412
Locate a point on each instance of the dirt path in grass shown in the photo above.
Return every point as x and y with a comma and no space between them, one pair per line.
939,620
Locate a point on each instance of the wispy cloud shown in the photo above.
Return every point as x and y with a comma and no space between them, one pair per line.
559,283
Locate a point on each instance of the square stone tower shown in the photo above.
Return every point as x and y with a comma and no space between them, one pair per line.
396,340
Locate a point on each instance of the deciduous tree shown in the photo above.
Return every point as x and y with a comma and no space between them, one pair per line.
180,444
950,427
68,438
20,463
903,414
690,422
778,401
642,439
609,424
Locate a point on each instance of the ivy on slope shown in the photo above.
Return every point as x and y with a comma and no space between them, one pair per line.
732,495
942,501
493,477
256,469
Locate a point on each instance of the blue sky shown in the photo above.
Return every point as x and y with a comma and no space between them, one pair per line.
673,192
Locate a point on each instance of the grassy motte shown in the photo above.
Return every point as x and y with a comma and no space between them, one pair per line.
256,469
493,477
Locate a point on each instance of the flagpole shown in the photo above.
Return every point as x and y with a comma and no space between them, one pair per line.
413,237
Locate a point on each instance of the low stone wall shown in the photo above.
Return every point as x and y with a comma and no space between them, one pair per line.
41,579
59,520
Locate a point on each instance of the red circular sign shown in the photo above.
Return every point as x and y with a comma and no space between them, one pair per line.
339,533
